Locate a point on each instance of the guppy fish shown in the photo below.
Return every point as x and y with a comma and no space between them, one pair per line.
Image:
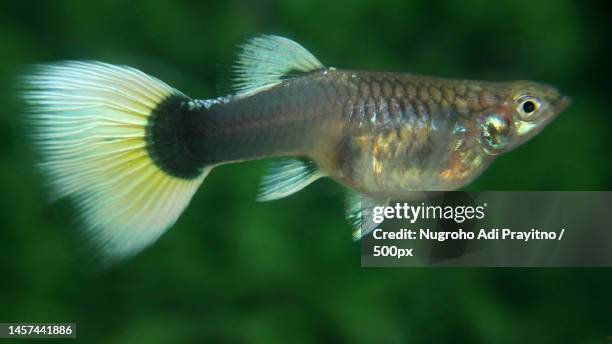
132,151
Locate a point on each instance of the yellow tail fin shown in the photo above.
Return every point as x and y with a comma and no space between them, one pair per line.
89,121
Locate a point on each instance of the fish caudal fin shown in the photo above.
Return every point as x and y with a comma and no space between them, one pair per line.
96,127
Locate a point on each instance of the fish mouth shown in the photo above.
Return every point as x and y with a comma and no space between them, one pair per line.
562,104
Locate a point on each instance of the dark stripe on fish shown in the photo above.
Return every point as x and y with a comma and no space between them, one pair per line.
168,138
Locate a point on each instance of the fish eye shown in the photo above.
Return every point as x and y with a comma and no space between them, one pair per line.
527,106
495,130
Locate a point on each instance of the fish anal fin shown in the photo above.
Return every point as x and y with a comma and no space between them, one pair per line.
286,177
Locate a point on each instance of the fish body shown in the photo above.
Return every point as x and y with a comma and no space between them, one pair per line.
133,150
374,132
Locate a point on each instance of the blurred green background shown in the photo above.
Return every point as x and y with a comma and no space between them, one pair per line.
233,270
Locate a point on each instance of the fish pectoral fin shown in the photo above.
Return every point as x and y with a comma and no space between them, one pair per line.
265,61
286,177
359,211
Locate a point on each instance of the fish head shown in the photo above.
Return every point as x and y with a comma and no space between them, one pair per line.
525,109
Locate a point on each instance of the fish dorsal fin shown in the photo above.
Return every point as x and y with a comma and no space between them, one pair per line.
265,61
287,176
359,214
